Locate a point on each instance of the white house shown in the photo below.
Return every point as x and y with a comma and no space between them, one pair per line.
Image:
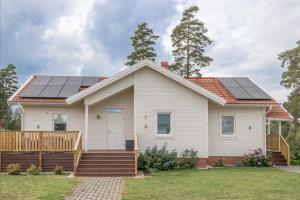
218,117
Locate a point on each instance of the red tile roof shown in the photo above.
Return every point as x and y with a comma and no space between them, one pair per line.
215,86
210,83
278,112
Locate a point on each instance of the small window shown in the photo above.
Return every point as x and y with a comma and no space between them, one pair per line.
163,123
228,124
60,122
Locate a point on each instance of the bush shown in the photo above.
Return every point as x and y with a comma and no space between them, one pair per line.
13,169
256,158
219,163
157,159
189,159
294,141
59,170
33,170
295,162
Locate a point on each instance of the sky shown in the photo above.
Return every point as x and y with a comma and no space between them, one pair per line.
92,37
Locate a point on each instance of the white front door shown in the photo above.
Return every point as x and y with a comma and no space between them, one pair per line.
116,139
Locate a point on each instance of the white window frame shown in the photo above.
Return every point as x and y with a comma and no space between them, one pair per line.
221,125
60,113
171,123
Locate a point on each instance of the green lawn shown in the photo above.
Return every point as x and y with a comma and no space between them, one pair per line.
222,183
35,187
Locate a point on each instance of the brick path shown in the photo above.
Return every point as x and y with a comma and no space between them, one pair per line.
98,188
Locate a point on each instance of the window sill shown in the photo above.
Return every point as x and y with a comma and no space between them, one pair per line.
228,137
163,136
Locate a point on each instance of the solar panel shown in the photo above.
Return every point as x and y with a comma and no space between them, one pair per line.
58,80
41,80
245,82
239,93
68,90
89,81
229,82
51,91
32,91
257,93
74,80
243,88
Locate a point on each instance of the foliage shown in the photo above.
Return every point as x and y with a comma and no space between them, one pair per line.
290,59
59,170
294,141
295,162
256,158
219,163
143,42
189,41
13,169
189,159
33,170
157,159
8,86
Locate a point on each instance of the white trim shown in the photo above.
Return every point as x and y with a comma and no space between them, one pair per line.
26,82
61,113
221,125
279,119
86,126
172,131
37,103
77,97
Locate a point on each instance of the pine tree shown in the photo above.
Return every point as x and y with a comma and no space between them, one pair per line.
143,42
8,86
189,41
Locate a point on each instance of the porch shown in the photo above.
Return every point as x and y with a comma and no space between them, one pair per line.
47,149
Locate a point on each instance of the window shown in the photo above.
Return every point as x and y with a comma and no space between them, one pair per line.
60,122
163,123
228,125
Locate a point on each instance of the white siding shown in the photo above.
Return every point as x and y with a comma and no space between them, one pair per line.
43,116
156,92
244,140
109,90
97,138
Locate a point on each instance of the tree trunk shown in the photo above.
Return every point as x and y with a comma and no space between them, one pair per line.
188,54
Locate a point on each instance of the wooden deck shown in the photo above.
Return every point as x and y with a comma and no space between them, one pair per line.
41,148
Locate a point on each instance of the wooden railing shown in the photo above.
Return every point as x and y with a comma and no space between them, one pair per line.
136,153
276,142
38,140
273,142
285,149
77,152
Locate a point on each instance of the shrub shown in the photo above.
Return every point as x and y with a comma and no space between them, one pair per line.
256,158
13,169
294,142
189,159
33,170
157,159
59,170
219,163
295,162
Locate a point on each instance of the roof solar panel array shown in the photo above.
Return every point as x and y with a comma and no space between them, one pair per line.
57,86
244,88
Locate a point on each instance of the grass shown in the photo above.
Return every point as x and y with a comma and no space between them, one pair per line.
221,183
44,187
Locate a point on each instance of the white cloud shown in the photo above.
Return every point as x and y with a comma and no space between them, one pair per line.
247,36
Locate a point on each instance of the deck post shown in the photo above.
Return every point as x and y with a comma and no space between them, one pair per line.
41,150
0,161
279,132
86,126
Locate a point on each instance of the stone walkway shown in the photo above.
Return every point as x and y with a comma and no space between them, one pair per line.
98,188
295,169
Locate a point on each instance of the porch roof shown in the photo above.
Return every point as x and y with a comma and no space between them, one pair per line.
279,113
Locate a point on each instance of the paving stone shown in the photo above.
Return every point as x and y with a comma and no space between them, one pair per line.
98,188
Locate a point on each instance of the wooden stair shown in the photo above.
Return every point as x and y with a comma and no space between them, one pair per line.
279,159
106,164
